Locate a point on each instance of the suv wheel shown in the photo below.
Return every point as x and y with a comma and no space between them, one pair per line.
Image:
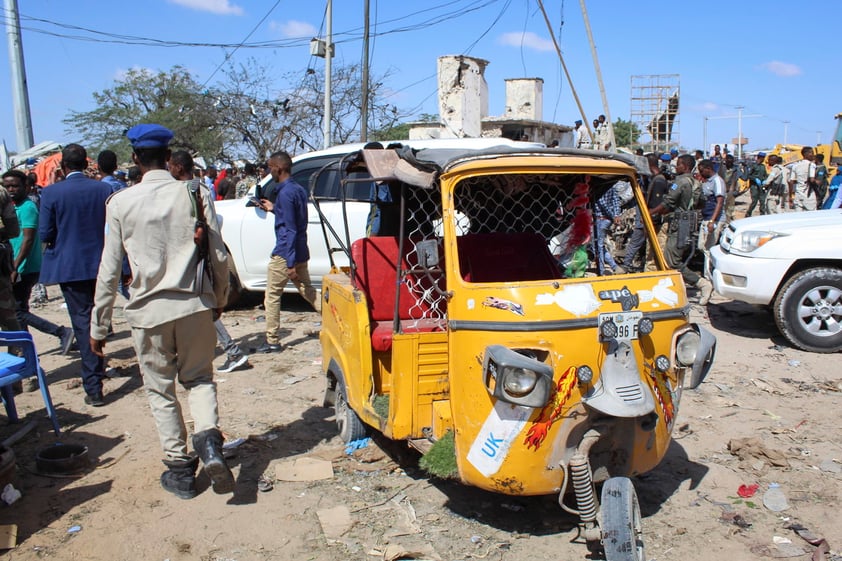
808,310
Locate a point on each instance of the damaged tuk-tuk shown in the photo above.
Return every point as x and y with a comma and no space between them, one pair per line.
474,323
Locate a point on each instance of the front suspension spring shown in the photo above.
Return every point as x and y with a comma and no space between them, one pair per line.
580,474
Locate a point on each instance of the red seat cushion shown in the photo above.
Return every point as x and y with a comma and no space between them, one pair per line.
505,257
375,274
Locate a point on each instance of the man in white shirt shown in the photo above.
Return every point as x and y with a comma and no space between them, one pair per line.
802,175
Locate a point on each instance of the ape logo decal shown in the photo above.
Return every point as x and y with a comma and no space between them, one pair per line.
624,296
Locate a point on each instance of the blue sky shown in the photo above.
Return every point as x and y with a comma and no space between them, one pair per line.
772,58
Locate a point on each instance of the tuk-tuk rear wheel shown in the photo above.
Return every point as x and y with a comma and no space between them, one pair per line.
622,528
350,426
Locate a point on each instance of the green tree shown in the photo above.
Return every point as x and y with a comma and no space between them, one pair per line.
171,98
400,131
626,133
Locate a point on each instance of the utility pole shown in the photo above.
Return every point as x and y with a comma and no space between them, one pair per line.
364,104
740,132
20,92
818,137
328,57
786,128
611,139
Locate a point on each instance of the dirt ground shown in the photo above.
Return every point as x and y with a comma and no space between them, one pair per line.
378,505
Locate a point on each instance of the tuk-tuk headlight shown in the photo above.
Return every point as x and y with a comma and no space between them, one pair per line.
518,382
686,348
516,378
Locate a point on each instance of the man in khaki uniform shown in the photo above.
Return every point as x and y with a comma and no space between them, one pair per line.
170,310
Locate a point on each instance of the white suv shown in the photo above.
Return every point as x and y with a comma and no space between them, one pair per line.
791,262
249,232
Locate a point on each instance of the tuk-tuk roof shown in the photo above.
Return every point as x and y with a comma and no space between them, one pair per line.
421,168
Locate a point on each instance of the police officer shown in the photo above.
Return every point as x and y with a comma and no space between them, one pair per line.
170,305
756,176
682,196
9,228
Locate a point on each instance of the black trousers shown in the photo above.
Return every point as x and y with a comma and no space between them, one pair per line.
79,296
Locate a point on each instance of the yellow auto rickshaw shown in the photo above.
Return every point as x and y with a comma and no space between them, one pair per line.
475,324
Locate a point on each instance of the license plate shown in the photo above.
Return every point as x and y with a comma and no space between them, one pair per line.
626,323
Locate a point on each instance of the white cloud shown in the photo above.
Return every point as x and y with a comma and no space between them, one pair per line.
294,28
528,39
221,7
782,69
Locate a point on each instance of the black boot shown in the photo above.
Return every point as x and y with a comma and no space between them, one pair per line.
208,445
180,478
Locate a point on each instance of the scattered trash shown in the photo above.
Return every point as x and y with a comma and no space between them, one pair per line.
778,348
779,540
10,495
735,519
747,491
793,362
74,529
476,539
753,448
264,484
393,552
335,521
8,536
774,498
259,319
290,380
304,469
778,550
356,488
357,445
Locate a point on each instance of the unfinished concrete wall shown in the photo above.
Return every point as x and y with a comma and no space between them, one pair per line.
463,95
525,99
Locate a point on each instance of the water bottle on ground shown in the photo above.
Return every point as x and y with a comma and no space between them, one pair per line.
774,498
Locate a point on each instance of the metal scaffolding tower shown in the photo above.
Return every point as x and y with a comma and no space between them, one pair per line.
654,109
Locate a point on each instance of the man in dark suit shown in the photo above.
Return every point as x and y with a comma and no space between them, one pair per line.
72,224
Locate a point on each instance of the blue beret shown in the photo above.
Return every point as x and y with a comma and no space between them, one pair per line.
674,151
149,136
761,154
121,173
665,157
577,122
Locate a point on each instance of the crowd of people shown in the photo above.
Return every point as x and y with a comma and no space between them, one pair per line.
152,235
685,192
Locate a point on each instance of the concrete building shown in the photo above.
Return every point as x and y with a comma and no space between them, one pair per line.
463,107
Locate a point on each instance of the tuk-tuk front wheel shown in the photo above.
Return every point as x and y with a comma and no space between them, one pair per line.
622,528
350,426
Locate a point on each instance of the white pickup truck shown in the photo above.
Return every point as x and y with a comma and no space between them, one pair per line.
791,262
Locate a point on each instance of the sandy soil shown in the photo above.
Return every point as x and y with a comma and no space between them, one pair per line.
378,503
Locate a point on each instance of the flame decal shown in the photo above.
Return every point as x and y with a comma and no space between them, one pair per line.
664,396
552,411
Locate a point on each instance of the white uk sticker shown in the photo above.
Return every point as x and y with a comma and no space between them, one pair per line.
660,292
496,436
578,299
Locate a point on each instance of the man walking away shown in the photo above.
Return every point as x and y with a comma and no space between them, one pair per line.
27,260
290,255
177,283
821,181
72,224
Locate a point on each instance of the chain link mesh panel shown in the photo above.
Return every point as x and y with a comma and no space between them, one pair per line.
510,228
